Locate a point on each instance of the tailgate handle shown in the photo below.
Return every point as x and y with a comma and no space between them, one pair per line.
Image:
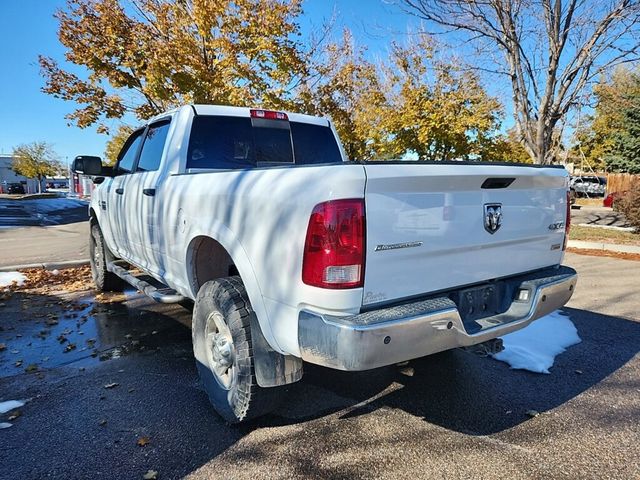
497,182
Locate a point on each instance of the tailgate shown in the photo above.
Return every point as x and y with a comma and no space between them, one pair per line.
433,227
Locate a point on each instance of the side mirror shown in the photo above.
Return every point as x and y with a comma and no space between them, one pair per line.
87,165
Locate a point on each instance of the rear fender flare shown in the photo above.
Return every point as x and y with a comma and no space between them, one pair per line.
229,242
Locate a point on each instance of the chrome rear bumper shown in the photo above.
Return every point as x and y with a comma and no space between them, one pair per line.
391,335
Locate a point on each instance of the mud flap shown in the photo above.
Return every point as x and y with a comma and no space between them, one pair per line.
272,369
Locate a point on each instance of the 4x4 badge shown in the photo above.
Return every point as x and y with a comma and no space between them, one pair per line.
492,217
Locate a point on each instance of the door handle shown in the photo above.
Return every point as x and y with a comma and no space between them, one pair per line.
149,192
119,191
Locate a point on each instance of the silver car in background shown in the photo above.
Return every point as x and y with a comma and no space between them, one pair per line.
589,186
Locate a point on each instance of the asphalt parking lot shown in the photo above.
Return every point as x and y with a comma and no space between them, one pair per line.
43,230
452,415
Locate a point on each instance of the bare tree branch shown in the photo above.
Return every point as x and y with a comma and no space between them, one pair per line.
552,49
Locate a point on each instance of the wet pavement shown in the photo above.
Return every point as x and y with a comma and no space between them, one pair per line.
131,401
44,332
41,212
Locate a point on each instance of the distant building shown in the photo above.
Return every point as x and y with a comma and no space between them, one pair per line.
8,176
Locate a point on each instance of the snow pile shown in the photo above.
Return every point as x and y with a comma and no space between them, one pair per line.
7,279
10,405
535,347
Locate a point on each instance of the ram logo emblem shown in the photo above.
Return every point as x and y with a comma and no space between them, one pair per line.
492,217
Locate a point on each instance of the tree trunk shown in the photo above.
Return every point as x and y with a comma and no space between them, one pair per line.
39,184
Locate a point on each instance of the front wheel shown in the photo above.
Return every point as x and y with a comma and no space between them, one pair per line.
100,255
223,350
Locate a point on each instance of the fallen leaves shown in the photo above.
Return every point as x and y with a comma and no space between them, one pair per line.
143,441
15,414
32,367
69,279
604,253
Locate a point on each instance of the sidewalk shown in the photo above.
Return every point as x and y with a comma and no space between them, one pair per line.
613,247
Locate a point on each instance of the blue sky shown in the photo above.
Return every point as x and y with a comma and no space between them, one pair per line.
28,29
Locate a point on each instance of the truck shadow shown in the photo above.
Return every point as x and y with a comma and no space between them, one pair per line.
470,394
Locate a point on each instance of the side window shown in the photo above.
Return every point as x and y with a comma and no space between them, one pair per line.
127,156
153,147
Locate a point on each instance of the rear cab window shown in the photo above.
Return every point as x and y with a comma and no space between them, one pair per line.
225,142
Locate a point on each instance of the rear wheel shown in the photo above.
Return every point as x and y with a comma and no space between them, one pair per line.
100,255
224,352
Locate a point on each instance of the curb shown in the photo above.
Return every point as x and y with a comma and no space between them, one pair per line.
32,196
607,227
46,265
603,246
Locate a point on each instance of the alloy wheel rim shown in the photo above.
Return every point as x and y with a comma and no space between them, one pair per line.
220,350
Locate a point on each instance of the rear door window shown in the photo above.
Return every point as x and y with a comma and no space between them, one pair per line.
218,142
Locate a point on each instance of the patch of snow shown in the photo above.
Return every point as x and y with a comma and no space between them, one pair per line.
535,347
5,425
7,278
10,405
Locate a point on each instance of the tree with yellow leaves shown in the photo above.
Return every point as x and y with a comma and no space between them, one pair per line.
115,144
345,87
146,56
438,110
36,160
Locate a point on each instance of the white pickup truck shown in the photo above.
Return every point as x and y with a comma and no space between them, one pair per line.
291,252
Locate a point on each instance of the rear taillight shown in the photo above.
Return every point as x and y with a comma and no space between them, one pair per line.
567,222
334,247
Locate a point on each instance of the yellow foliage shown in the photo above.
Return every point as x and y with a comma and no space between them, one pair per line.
614,96
36,160
345,87
438,110
115,143
160,54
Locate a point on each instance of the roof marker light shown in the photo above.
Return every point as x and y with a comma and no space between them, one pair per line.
269,115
